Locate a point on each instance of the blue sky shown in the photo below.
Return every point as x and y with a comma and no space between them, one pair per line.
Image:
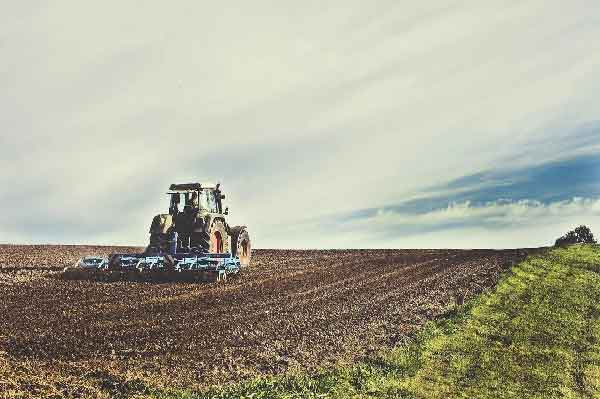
338,124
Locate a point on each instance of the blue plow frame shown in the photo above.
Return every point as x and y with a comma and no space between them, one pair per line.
209,266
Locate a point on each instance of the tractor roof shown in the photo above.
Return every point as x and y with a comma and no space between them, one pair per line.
192,186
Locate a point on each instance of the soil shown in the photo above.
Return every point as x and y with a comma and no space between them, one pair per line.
290,310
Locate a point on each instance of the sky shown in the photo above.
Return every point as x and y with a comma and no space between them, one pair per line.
340,124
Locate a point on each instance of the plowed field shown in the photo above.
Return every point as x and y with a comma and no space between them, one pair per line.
289,310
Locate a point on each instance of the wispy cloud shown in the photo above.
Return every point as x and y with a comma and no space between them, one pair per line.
496,224
500,214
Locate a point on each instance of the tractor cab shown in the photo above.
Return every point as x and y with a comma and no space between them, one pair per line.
195,197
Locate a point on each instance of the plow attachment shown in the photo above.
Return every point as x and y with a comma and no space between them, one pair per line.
208,267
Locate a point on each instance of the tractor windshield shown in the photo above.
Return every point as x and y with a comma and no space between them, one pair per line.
204,199
207,200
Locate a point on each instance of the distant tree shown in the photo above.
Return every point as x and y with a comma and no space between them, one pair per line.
581,234
585,235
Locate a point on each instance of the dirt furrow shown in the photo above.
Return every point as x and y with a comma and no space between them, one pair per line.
290,309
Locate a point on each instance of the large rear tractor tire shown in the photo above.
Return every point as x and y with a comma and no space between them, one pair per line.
159,242
216,241
241,245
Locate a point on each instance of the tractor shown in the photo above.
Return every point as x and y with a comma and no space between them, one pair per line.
196,222
193,240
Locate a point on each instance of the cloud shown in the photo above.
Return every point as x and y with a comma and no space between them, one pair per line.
548,197
545,183
494,215
303,110
497,224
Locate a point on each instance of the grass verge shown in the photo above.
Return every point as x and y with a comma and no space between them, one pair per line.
536,336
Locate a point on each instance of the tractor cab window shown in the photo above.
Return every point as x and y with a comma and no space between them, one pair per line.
207,201
174,207
191,199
